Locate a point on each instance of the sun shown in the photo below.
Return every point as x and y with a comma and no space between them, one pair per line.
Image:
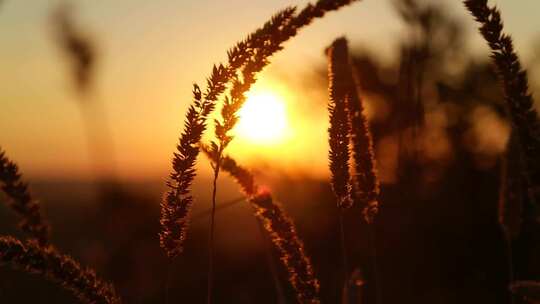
263,118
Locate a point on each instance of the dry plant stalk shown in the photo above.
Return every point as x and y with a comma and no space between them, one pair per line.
82,54
78,48
258,59
338,131
257,48
339,140
176,207
518,98
270,42
283,234
241,175
528,290
524,118
21,201
62,269
365,176
511,199
349,127
511,194
279,227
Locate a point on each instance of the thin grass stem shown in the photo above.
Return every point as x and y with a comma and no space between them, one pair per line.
344,255
212,233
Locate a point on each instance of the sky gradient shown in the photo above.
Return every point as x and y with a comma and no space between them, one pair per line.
150,53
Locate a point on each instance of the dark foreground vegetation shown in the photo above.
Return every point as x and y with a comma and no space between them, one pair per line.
433,195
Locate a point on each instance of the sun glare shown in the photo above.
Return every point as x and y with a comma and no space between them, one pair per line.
263,118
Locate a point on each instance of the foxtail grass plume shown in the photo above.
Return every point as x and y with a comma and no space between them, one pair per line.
21,200
242,82
279,227
261,44
76,46
283,234
365,176
519,101
256,63
81,52
259,58
338,132
62,269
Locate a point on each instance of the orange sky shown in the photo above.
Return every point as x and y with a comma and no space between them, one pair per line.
150,54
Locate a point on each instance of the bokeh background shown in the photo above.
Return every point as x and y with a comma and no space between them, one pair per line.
434,104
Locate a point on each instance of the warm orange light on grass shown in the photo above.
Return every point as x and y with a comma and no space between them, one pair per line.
278,124
263,118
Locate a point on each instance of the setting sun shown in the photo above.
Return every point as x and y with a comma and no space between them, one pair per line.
263,118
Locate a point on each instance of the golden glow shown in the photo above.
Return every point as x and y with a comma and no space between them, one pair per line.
283,126
263,118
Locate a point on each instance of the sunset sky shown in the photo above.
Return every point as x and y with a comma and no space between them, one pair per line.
150,53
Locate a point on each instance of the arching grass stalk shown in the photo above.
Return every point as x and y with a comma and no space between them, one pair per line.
250,57
280,228
243,81
519,101
260,45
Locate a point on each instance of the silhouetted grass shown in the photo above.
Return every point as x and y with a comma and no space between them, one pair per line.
354,178
258,46
519,100
29,210
62,269
280,228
